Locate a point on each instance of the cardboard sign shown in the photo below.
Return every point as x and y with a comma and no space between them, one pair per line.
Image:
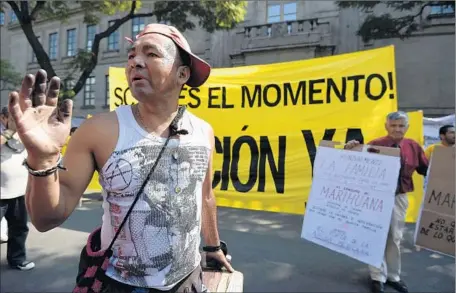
435,227
352,199
222,281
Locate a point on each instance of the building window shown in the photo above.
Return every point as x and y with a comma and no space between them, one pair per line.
33,52
289,11
107,91
273,13
53,46
442,10
281,12
2,18
113,39
71,42
137,25
89,91
13,17
91,31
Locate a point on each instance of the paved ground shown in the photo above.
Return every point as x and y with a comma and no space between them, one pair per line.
266,247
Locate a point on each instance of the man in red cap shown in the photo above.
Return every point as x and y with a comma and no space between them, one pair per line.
153,157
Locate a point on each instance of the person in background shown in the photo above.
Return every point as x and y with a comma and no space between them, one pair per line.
3,119
447,138
3,223
12,200
412,159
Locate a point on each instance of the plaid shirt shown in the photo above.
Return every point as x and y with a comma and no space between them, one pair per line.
412,159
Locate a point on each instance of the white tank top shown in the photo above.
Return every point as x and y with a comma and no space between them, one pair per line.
13,175
159,244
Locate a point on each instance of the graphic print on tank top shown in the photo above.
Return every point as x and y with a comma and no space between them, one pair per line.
162,234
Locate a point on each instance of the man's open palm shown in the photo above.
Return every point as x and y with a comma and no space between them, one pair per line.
42,126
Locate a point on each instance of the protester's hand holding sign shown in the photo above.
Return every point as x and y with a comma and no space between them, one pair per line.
220,257
41,125
351,144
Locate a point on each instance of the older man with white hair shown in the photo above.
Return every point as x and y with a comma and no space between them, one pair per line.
412,159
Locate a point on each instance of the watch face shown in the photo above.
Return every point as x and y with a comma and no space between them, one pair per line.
15,145
223,247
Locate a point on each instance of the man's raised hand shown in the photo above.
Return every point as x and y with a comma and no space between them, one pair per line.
42,126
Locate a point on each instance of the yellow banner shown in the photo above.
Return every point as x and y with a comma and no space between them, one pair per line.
94,185
268,120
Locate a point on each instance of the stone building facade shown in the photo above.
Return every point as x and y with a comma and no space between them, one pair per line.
273,31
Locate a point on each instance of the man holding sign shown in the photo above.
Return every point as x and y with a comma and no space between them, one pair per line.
412,159
153,156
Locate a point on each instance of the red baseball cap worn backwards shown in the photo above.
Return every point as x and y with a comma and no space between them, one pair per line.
199,69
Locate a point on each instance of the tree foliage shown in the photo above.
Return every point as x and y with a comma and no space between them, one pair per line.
388,26
9,78
211,15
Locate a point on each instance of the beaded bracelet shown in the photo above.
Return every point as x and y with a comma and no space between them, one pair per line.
46,172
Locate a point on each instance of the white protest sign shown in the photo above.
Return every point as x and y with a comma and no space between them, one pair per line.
351,201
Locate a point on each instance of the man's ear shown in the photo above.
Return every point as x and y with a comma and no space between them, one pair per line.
183,74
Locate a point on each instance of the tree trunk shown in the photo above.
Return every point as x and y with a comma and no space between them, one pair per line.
41,55
26,24
96,46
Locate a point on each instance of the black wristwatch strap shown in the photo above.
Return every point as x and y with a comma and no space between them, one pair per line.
211,248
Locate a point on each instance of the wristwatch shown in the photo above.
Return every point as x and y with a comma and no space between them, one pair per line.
222,247
211,248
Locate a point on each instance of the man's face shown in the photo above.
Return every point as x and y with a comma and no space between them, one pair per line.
449,136
160,191
396,128
152,67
